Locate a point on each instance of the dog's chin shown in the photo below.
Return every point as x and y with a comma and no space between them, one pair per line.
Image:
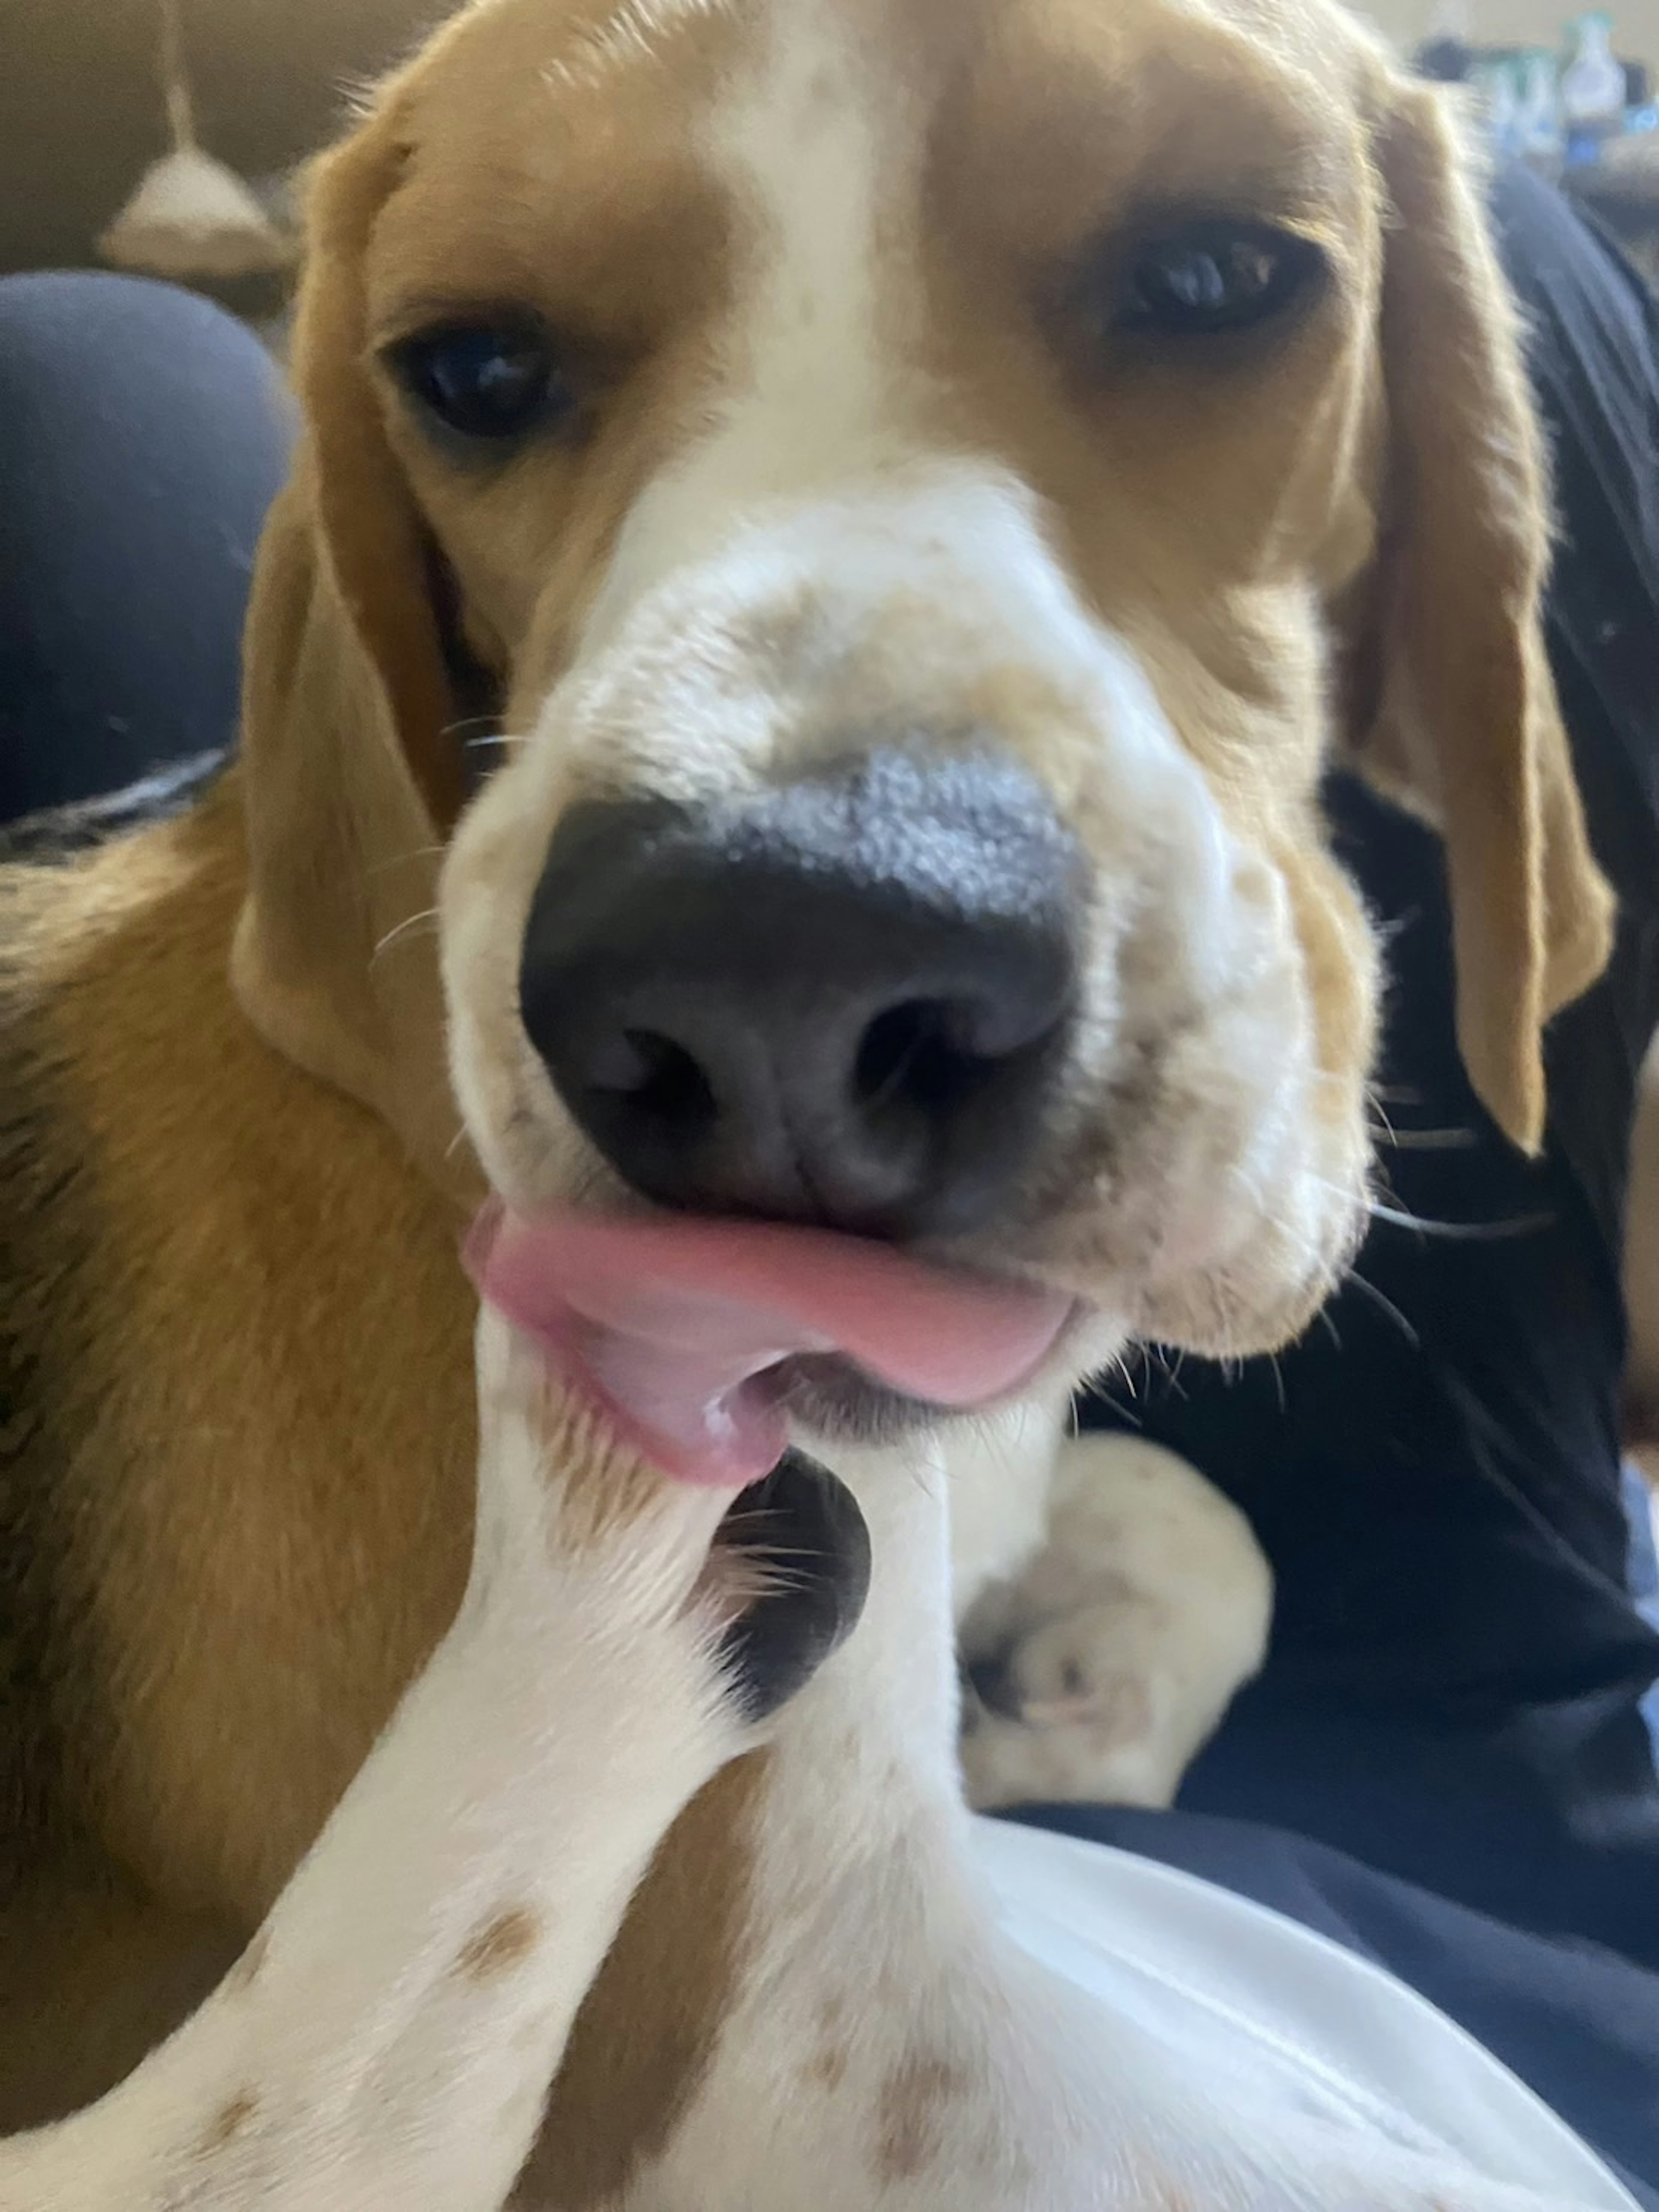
828,1398
832,1400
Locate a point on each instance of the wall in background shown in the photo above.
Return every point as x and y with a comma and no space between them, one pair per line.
1525,23
80,115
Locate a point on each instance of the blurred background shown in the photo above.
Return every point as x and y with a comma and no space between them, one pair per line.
83,115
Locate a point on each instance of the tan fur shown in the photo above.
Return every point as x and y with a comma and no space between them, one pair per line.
1532,918
250,1331
228,1576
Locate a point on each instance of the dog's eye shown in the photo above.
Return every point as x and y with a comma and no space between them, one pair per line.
492,382
1208,277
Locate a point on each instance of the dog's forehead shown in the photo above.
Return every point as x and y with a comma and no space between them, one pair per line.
610,45
534,122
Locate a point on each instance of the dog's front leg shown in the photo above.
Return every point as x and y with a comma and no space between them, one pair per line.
388,2040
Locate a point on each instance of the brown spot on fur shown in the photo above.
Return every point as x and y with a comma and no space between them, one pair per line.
502,1943
826,2068
646,2031
913,2108
228,2123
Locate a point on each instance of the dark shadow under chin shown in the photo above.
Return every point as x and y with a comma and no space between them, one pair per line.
831,1398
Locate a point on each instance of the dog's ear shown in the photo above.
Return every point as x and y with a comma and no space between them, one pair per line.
350,765
1459,716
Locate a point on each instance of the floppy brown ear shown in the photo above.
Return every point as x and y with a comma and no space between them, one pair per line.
1465,724
350,769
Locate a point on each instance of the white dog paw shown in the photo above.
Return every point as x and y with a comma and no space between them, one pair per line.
1099,1671
576,1530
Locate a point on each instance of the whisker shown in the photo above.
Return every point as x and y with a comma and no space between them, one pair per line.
1373,1101
402,929
1466,1232
1433,1140
403,859
1386,1305
1125,1413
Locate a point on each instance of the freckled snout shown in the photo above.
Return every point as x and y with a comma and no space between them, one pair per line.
845,999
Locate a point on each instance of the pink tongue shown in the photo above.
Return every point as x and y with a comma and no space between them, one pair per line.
673,1323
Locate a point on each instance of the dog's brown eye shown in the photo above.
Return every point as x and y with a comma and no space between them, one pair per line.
1207,277
486,382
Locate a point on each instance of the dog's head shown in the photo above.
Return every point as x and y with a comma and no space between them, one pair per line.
921,489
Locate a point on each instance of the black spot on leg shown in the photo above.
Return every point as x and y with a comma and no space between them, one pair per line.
800,1533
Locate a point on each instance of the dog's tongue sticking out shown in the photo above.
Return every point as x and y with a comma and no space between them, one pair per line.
674,1323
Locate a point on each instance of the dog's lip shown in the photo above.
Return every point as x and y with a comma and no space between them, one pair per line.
692,1335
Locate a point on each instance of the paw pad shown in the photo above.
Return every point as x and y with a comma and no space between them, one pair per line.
792,1558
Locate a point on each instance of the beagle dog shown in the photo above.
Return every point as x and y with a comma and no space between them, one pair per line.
912,494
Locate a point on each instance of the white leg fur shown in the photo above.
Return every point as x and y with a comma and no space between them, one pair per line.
1119,1644
389,2039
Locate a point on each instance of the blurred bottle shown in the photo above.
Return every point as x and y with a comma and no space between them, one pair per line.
1592,90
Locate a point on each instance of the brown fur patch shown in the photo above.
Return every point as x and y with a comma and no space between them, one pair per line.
228,2123
48,1234
502,1942
915,2101
647,2028
272,1524
91,1976
827,2067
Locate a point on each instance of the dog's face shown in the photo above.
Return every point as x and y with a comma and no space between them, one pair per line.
924,486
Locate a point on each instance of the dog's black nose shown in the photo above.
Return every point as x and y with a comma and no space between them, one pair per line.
841,1000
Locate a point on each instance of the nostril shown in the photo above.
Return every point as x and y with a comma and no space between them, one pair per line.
919,1052
656,1076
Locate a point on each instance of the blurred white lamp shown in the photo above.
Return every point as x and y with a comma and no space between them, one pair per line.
192,219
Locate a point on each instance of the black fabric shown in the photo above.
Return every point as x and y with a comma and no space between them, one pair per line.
1445,1762
143,433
